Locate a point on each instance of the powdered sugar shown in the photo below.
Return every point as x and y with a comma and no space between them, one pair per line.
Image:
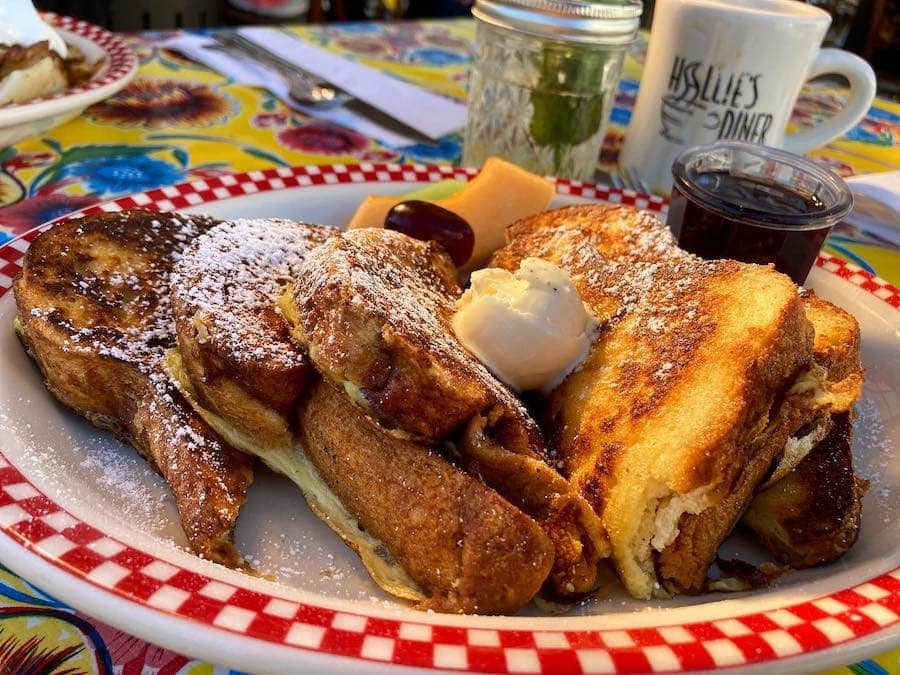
111,301
406,285
628,270
232,276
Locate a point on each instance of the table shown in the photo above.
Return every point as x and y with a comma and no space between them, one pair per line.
180,121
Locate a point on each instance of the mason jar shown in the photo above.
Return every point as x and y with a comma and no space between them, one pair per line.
543,80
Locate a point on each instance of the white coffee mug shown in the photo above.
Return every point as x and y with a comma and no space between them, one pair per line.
732,69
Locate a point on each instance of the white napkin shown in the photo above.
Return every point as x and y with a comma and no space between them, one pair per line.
424,111
251,73
876,206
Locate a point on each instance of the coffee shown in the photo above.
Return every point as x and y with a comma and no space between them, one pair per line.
732,70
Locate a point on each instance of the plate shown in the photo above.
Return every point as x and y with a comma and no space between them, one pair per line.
42,114
84,518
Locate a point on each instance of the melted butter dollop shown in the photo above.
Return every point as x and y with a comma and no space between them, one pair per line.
530,328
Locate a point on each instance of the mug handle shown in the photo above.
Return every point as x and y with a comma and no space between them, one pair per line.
862,93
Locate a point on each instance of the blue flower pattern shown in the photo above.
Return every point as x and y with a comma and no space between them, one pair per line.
123,175
436,57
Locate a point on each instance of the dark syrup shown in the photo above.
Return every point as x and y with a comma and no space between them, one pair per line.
712,234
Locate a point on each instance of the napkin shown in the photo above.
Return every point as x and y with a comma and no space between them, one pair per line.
249,72
876,207
424,111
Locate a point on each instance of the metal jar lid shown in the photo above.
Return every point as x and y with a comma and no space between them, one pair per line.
569,20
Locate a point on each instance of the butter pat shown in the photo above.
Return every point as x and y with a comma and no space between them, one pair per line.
530,328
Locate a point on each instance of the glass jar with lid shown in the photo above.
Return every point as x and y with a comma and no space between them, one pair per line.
544,78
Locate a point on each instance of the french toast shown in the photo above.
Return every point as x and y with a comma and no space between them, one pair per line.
697,379
811,514
234,346
373,308
235,364
94,312
467,548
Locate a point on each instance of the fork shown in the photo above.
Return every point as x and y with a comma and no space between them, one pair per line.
303,88
629,179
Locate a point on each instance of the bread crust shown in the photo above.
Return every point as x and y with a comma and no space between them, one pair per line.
670,422
469,549
812,516
93,310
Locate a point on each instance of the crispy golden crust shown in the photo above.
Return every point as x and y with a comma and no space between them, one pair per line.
93,306
837,342
684,563
234,344
470,550
812,516
671,412
836,348
374,307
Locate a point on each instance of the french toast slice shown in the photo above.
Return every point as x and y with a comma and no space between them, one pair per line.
236,366
373,308
234,346
93,311
836,352
811,514
468,549
687,396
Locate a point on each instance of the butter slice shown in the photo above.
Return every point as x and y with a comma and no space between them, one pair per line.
530,328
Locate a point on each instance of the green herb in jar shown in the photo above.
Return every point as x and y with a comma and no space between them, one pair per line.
562,118
543,79
565,113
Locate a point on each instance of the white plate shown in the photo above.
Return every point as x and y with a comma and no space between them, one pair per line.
40,115
86,520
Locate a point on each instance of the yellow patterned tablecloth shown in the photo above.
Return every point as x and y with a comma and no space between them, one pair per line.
180,121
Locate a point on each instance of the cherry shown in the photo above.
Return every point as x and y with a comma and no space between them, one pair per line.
429,222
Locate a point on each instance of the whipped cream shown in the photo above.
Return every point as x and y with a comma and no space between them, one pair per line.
530,328
20,24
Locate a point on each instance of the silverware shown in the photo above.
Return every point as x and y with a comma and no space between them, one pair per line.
303,87
629,179
308,90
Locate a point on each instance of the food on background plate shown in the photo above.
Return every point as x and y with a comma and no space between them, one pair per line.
34,59
94,312
701,374
499,195
30,72
20,24
349,362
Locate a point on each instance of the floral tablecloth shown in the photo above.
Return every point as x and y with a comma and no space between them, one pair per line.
179,121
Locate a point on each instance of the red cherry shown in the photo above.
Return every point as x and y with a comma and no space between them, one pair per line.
429,222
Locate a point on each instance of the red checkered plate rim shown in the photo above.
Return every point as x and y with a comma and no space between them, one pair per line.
866,613
121,64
